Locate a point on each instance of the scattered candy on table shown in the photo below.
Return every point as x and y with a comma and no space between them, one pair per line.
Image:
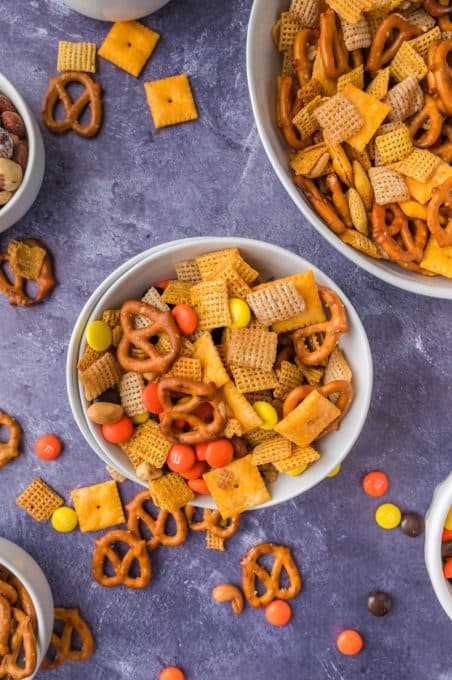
349,642
375,483
388,516
64,519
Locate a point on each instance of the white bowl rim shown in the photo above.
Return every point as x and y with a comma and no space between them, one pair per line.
28,585
74,387
30,125
434,525
400,279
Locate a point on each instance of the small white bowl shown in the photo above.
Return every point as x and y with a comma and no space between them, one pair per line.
434,525
263,68
24,197
133,278
24,567
116,10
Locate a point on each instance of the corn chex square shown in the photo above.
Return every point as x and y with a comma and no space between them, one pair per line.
338,118
129,45
187,368
100,376
237,287
163,346
147,444
422,43
378,87
311,161
301,455
258,435
278,301
171,101
306,11
210,300
407,62
289,377
351,10
355,77
288,29
419,165
209,263
253,379
361,242
271,451
39,500
177,292
76,56
252,348
304,121
395,145
111,317
312,374
88,358
233,428
170,492
214,542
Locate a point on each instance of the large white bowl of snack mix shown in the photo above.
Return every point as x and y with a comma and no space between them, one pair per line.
116,10
435,519
263,69
134,278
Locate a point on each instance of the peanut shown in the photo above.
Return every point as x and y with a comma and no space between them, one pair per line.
104,412
226,592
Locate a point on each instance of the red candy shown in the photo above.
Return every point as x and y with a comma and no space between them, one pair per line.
349,642
181,458
198,486
219,453
48,447
278,613
447,535
200,450
447,570
150,398
375,483
186,318
163,283
118,433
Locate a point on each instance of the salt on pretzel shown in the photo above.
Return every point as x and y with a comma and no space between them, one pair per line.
379,54
342,387
15,291
441,197
252,571
304,39
121,565
20,662
431,132
320,203
200,393
211,522
137,515
91,96
61,644
285,114
389,221
159,322
331,45
9,449
331,330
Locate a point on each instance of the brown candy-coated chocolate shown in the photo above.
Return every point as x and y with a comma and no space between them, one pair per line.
412,524
446,550
20,154
379,603
240,448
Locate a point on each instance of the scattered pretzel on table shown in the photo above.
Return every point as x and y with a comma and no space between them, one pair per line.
104,550
91,96
252,571
61,644
15,290
212,522
138,514
9,449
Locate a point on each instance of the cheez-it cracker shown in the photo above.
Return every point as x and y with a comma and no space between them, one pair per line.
129,45
171,101
98,506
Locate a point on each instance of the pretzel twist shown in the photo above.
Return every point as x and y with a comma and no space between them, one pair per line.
121,565
5,625
200,393
410,249
20,662
332,329
91,96
137,514
441,198
252,570
304,39
436,8
211,522
24,601
9,449
61,644
379,54
320,203
431,113
159,322
15,290
285,115
339,199
331,46
441,72
342,387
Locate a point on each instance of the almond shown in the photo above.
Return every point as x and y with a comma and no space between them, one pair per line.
6,104
20,154
104,412
13,122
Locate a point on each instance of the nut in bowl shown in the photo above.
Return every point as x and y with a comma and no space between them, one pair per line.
205,406
22,159
378,188
438,543
26,607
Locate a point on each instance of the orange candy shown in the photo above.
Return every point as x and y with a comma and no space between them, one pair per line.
151,401
181,458
198,486
186,318
171,673
448,569
447,535
349,642
197,470
200,450
375,483
219,453
117,433
163,283
48,447
278,613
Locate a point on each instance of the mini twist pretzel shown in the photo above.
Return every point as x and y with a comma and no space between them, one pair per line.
331,45
61,644
343,387
211,522
332,329
445,23
384,232
159,322
379,54
303,65
252,570
431,113
320,203
9,449
91,96
8,591
5,625
441,197
15,291
442,73
285,114
121,565
21,660
436,8
137,513
24,601
339,198
200,431
444,151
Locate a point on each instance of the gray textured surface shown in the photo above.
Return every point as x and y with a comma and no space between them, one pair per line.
109,198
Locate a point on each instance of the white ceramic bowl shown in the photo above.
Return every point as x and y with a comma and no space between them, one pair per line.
263,68
434,525
25,196
24,567
115,10
135,276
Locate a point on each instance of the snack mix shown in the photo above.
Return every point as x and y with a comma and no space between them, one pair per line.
13,149
215,382
363,103
446,547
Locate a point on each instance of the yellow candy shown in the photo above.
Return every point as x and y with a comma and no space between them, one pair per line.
448,522
388,516
335,471
140,418
240,313
64,519
296,471
98,335
268,414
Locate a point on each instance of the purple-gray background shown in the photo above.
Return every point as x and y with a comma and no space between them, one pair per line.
106,199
